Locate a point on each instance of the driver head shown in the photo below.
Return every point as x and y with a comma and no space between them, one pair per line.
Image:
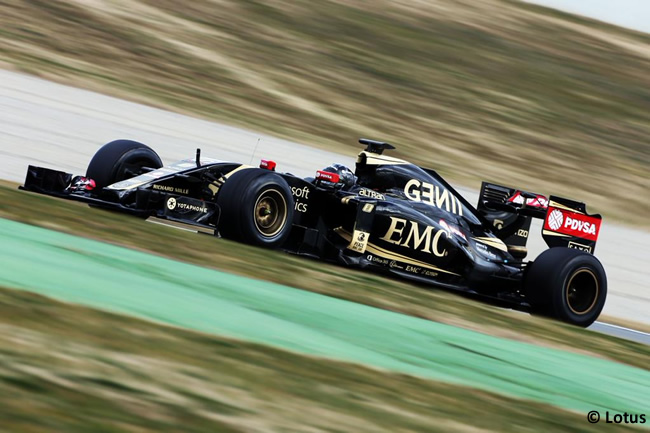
347,179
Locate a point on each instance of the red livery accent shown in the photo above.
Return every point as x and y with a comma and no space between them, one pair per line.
326,175
268,164
80,183
572,223
539,201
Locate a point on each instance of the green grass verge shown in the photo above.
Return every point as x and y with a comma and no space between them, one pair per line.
74,369
353,285
496,89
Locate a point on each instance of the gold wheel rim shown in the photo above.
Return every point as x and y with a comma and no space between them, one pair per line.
582,291
270,213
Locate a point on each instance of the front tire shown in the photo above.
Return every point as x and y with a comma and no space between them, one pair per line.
568,285
119,160
256,208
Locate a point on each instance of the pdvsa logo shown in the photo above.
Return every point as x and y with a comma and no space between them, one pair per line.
579,225
573,224
555,219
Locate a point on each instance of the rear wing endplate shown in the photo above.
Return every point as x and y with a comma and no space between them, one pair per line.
567,224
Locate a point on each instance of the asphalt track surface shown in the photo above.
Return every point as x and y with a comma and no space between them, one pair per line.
52,125
105,276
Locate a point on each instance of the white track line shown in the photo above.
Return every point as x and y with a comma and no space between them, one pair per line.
624,329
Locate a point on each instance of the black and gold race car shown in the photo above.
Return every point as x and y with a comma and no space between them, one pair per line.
387,215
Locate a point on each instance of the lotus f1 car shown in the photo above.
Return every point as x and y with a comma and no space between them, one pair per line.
387,216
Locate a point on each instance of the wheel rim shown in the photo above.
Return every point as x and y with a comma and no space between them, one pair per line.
270,213
582,291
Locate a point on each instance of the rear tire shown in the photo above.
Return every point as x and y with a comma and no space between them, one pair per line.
119,160
256,208
568,285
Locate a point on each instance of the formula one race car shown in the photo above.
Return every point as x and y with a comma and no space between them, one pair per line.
388,216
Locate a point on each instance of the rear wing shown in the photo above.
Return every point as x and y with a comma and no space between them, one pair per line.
566,222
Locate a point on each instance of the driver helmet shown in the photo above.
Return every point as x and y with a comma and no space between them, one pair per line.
347,179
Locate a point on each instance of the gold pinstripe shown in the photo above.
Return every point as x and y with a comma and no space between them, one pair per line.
550,233
561,206
374,249
492,242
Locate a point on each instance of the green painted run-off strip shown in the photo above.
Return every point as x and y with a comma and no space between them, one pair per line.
127,281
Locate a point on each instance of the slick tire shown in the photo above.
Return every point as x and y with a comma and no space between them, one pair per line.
256,208
119,160
567,285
